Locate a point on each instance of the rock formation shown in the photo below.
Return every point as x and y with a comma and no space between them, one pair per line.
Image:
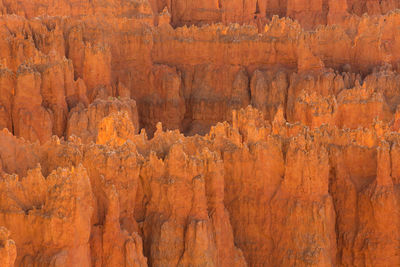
199,133
8,250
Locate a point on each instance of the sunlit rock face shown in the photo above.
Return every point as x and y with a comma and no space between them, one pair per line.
199,133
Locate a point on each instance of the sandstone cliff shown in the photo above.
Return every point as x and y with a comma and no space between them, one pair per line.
199,133
303,197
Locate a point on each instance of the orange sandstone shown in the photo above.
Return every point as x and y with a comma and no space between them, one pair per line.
127,139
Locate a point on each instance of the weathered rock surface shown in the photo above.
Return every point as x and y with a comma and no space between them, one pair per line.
191,78
239,196
127,139
8,251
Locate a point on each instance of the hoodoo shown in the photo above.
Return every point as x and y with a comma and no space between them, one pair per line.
207,133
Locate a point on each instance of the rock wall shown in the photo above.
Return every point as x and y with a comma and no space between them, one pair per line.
250,193
199,133
192,78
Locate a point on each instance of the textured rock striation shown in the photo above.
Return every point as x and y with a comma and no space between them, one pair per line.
199,133
300,196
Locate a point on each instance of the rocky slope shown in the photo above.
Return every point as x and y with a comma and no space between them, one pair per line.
199,133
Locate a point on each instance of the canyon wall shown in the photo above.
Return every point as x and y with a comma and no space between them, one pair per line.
189,78
199,133
250,193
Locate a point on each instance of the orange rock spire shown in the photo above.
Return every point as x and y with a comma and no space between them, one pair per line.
199,133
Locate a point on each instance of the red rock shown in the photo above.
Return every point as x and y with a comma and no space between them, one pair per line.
47,217
84,122
163,101
307,176
8,251
30,119
7,80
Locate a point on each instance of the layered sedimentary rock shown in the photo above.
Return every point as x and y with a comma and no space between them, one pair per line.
199,133
79,60
171,72
184,201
